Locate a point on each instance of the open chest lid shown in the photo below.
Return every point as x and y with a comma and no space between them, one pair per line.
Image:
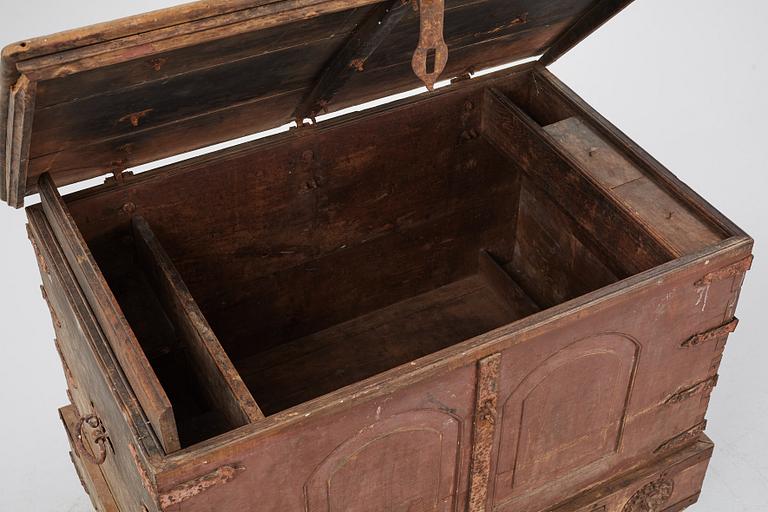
99,100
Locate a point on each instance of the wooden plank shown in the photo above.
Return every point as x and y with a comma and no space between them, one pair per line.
506,287
181,15
629,492
659,210
145,144
351,57
169,65
153,42
557,91
150,43
99,384
175,119
214,88
8,77
679,228
325,361
21,109
589,22
499,20
220,378
129,353
600,159
614,229
178,98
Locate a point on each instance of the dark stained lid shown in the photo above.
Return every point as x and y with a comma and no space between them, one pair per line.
101,99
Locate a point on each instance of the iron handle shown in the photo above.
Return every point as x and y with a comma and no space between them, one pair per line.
100,439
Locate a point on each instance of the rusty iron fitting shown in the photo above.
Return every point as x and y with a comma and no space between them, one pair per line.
431,55
100,439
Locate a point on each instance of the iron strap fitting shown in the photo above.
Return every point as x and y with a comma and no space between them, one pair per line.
431,55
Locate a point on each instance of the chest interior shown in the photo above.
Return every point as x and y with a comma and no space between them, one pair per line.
327,255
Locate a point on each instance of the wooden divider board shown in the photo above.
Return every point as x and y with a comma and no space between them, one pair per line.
222,381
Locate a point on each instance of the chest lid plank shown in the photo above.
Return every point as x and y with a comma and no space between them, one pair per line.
101,99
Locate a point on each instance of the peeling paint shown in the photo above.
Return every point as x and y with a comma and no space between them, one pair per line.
198,486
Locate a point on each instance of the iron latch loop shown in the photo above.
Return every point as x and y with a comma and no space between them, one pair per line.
431,55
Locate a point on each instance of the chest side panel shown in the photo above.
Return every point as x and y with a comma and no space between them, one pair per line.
96,385
406,451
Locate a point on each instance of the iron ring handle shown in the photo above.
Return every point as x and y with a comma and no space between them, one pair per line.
100,440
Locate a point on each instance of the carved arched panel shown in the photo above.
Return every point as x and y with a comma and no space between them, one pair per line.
568,413
406,463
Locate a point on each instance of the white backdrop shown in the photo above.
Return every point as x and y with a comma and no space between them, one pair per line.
686,79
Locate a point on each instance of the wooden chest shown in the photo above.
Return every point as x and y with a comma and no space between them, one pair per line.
481,297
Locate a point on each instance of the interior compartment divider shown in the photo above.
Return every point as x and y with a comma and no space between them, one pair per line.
222,382
630,247
137,369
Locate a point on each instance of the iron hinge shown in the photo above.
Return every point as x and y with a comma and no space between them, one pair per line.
711,334
118,177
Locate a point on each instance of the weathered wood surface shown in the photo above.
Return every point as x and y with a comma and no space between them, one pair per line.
122,339
97,384
352,57
213,367
514,133
90,474
310,204
142,145
311,366
124,98
21,109
670,484
321,201
591,20
676,225
555,258
505,286
552,90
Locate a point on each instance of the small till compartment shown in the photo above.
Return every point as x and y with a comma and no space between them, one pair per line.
594,148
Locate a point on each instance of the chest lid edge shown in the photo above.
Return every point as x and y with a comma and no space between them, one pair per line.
87,102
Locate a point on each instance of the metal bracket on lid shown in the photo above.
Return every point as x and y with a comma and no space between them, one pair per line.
431,55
